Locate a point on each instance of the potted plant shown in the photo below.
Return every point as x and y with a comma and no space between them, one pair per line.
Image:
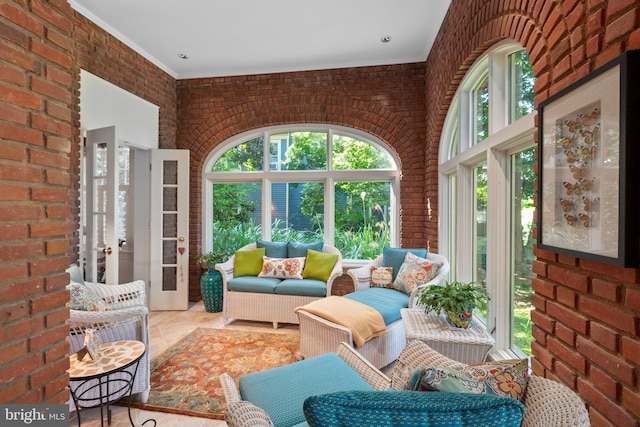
456,299
211,259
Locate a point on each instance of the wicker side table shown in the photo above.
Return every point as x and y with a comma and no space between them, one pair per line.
464,345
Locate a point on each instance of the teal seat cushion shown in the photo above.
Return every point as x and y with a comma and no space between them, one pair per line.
394,257
304,287
406,408
273,249
387,302
281,391
261,285
295,249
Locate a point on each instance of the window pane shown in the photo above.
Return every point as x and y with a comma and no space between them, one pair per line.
352,154
521,85
362,218
243,157
481,109
297,211
480,229
522,193
237,219
298,151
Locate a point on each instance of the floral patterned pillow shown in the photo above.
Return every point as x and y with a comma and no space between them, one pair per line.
382,277
415,271
501,378
85,299
282,268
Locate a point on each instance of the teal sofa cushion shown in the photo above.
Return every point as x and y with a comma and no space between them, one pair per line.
387,302
295,249
281,391
261,285
394,257
303,287
273,249
405,408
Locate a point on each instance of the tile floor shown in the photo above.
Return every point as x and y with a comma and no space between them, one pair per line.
166,328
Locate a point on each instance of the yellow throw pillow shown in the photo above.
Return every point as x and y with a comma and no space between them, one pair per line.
248,262
319,265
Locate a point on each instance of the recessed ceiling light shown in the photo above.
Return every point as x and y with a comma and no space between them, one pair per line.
385,39
183,56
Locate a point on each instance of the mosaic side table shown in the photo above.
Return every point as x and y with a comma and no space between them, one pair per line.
464,345
113,380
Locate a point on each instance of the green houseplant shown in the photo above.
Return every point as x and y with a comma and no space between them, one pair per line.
211,259
456,299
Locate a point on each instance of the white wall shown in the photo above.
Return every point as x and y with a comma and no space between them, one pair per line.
103,104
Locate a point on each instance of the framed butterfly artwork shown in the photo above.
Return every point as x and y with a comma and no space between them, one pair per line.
589,166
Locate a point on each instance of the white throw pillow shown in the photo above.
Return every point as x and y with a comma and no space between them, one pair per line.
414,272
282,268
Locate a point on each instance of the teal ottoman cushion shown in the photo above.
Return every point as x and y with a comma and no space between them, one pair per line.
406,408
261,285
281,391
387,302
304,287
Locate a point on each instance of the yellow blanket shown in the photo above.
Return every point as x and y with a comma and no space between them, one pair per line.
364,322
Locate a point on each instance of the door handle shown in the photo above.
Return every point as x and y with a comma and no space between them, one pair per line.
107,251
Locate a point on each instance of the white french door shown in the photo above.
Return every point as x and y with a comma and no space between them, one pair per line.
102,206
169,249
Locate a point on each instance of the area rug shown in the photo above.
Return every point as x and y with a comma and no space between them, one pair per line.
185,377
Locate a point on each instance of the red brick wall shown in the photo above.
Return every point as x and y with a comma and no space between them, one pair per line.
387,102
586,313
35,133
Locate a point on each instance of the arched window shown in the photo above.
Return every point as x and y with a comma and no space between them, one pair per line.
486,189
302,183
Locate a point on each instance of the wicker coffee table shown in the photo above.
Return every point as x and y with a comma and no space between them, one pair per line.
464,345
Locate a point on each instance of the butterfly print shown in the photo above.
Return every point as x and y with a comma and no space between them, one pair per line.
587,220
572,220
587,135
578,172
567,142
591,205
572,189
572,125
572,156
567,205
588,120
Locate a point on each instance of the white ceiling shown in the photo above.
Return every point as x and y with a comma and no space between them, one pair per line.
243,37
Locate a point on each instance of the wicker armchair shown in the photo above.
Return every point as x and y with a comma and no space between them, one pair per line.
126,319
547,403
362,276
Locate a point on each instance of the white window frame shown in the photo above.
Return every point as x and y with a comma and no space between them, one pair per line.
504,139
329,177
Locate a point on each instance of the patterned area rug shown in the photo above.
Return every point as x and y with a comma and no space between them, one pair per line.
184,378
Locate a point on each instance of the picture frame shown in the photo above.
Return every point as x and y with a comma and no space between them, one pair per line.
588,163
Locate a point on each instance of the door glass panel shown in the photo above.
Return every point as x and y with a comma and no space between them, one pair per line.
169,279
298,151
522,195
170,225
362,218
169,252
297,211
480,229
170,198
170,172
100,160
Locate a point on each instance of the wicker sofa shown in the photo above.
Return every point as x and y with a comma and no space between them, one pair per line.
547,403
319,336
126,318
268,307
